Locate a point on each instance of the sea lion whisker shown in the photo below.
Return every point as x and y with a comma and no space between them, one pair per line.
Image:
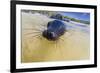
32,33
61,39
70,34
36,31
43,28
40,38
35,36
39,30
43,25
33,29
60,50
55,44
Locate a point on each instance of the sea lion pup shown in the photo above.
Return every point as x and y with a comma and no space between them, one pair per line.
45,39
55,29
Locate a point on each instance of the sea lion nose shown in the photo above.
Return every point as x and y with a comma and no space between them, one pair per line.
49,35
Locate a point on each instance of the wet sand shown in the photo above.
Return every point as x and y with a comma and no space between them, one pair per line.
73,45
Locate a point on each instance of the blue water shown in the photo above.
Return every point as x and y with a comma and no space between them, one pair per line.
78,15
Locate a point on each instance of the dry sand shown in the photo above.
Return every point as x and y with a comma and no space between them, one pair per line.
74,45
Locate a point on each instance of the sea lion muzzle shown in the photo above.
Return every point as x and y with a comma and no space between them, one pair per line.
55,29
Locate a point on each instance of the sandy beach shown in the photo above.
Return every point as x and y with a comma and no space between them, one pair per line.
73,45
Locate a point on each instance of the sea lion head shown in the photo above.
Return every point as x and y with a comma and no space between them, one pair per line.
55,29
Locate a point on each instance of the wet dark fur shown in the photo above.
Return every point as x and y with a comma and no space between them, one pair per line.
55,29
